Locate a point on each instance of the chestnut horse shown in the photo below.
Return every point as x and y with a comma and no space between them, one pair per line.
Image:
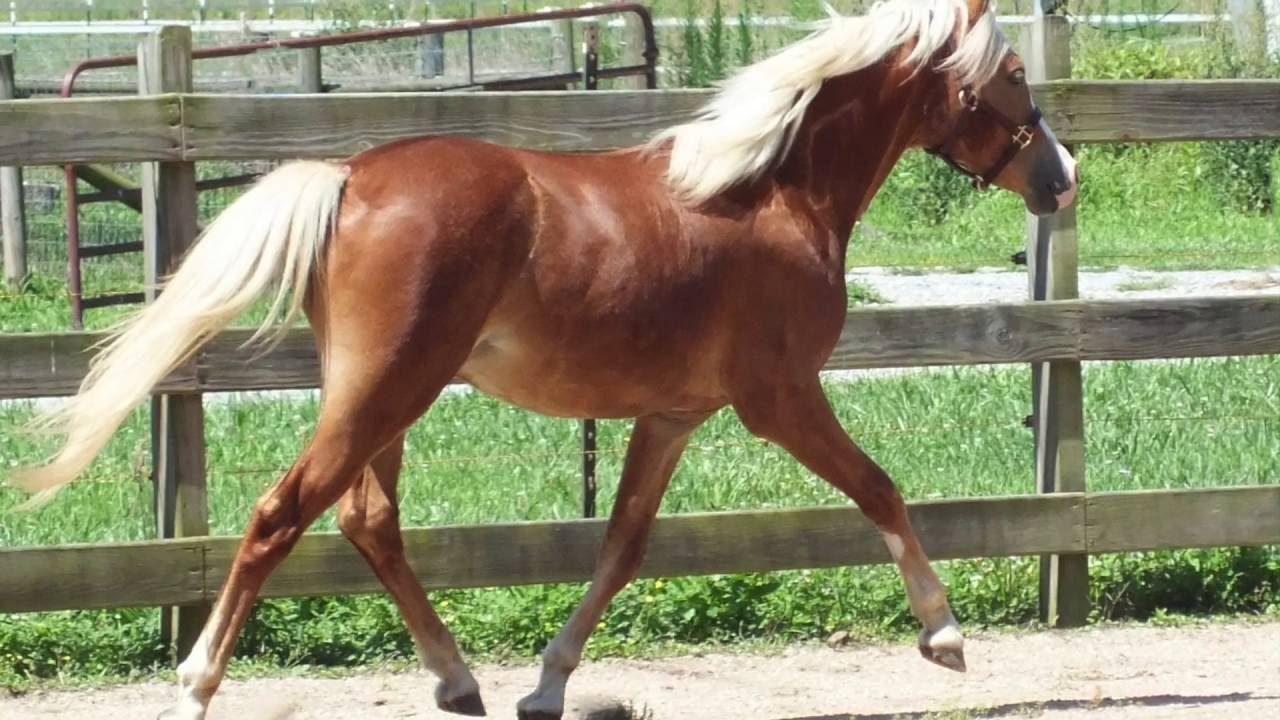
665,282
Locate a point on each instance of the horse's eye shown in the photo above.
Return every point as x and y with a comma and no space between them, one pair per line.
1018,77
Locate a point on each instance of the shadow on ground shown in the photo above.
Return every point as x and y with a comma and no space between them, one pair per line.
1023,708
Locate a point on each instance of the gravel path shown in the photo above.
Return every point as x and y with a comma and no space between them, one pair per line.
998,285
1225,670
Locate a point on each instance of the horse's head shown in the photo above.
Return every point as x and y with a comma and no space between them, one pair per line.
992,131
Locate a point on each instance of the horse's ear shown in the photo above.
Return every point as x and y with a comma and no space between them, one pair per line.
977,8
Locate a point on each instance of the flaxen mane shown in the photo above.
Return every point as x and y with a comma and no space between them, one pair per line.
753,119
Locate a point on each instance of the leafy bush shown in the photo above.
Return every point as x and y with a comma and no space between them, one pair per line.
1239,173
927,190
1242,173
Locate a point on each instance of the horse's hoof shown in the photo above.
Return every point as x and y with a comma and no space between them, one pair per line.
469,704
951,660
944,647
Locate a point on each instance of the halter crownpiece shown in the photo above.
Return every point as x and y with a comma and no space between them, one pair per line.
1021,135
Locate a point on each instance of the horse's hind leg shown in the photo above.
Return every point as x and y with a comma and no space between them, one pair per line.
371,398
800,419
369,516
343,444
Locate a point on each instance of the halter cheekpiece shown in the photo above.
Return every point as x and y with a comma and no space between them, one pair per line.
1021,135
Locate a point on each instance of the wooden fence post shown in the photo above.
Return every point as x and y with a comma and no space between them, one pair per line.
430,49
431,56
1058,394
310,76
632,52
562,49
168,230
13,223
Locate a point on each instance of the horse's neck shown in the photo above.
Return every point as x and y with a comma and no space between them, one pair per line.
849,140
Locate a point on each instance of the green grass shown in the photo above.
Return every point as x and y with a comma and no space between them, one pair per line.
951,433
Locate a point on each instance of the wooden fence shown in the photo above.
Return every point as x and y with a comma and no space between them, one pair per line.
1065,523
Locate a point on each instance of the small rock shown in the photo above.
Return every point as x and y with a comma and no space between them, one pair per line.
839,639
601,708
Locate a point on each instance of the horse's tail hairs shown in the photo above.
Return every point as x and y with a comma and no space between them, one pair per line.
272,236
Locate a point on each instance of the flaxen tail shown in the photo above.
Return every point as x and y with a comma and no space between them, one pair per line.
272,236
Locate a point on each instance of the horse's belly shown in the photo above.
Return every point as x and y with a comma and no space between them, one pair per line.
570,382
503,381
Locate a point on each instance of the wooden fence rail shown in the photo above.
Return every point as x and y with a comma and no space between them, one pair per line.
45,365
227,127
191,570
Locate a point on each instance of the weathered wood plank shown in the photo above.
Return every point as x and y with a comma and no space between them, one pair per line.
36,132
1191,327
310,70
524,553
111,184
13,218
1162,519
1058,395
632,51
965,334
225,126
38,365
50,132
169,229
283,126
1080,330
226,363
231,126
1099,111
165,572
86,577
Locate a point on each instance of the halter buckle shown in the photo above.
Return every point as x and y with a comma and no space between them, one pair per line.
969,99
1023,137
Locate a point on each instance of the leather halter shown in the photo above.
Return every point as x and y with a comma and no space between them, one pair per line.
1021,136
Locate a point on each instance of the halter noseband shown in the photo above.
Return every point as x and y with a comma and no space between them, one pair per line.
1021,136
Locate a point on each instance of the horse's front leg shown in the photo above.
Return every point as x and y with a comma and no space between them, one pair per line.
800,420
655,448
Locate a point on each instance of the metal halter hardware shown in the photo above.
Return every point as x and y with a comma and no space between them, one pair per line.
1021,135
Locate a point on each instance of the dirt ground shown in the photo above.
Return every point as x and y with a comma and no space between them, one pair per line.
1210,671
